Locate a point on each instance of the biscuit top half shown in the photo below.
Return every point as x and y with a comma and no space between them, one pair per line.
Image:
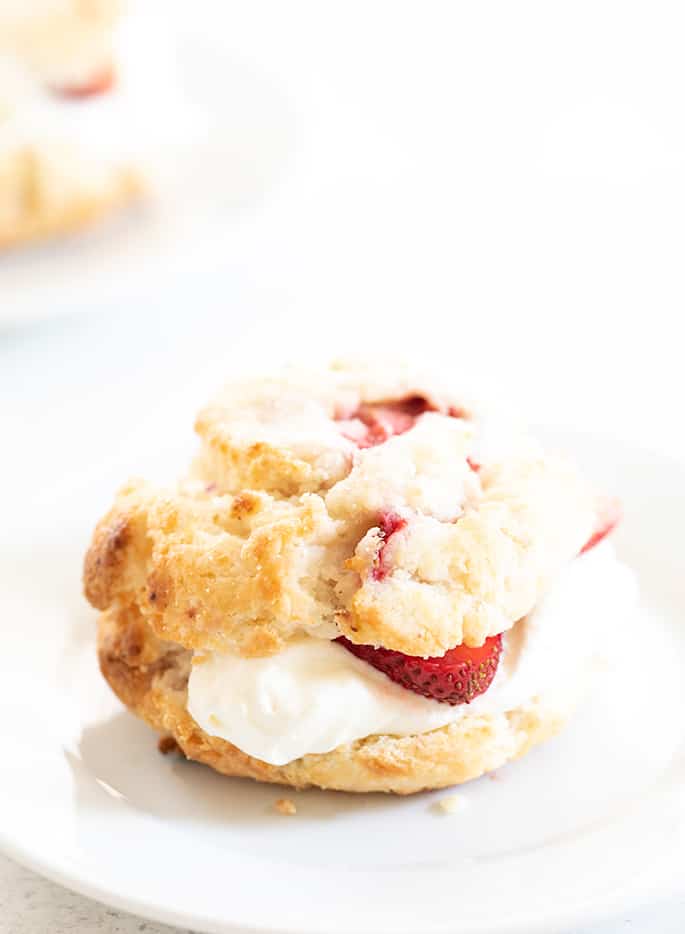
353,501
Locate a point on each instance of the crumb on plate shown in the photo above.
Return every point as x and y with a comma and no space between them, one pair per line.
167,744
285,806
452,804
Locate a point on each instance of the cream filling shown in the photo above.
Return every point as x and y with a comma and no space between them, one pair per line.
315,695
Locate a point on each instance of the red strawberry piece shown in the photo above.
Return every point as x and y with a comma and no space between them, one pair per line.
455,678
390,522
373,423
98,83
609,514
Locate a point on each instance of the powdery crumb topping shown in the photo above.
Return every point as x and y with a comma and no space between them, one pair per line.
286,526
423,470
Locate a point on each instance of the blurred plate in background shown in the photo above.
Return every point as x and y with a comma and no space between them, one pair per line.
212,133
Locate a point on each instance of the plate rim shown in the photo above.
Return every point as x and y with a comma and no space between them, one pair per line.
596,910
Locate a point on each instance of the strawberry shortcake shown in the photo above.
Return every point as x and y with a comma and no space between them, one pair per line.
363,582
61,161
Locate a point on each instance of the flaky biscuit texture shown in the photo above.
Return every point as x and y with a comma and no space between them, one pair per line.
287,526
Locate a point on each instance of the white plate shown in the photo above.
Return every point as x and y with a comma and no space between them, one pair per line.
578,829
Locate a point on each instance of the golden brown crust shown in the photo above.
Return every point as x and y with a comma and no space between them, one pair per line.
114,564
221,573
150,677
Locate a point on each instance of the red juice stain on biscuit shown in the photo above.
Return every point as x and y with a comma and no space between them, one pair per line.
389,523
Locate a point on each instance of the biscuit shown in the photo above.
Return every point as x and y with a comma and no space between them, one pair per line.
223,563
150,678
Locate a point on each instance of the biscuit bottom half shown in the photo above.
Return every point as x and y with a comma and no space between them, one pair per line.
150,677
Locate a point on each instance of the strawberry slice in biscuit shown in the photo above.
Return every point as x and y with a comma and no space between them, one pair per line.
361,583
457,677
374,423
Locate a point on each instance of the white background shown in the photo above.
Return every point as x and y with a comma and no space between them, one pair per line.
496,186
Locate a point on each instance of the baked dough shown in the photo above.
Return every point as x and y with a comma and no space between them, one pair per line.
150,678
280,533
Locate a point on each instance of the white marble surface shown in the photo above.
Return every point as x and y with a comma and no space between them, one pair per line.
32,905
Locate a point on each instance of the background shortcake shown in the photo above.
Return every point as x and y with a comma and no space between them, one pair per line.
62,165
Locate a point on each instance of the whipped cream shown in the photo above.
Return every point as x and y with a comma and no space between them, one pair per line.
315,695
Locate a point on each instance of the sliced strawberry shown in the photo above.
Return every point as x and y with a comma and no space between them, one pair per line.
457,677
389,522
609,514
98,83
